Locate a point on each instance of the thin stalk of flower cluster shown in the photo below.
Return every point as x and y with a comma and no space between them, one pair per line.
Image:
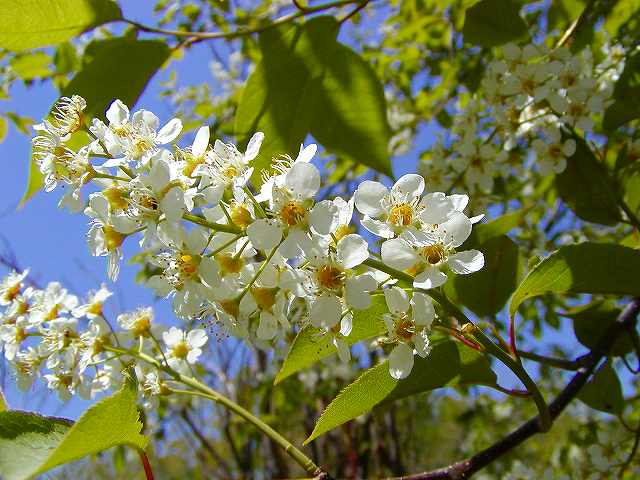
218,227
259,272
242,32
490,347
224,245
204,391
256,204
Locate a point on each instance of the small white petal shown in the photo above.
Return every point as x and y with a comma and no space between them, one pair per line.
431,277
169,132
466,262
324,217
423,311
368,198
410,184
201,142
398,254
400,361
197,338
397,300
325,312
264,234
303,179
254,146
352,250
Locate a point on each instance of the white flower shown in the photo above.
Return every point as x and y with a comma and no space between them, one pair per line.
428,260
107,232
138,322
184,348
52,303
552,153
184,269
12,335
329,279
11,285
93,306
388,213
226,167
135,139
408,323
68,115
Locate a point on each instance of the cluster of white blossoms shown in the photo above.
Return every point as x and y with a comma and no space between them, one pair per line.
255,261
51,334
530,101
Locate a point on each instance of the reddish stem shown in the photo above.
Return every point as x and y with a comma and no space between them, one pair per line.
145,463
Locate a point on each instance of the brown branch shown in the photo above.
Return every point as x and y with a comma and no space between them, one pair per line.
562,363
466,468
204,441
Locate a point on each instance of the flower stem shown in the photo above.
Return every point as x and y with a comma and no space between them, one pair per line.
218,227
148,472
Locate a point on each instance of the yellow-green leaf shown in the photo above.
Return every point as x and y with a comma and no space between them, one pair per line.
31,444
583,268
26,24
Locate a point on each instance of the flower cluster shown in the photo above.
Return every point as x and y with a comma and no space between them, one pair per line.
51,334
531,100
253,260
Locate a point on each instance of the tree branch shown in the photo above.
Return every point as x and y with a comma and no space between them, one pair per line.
465,468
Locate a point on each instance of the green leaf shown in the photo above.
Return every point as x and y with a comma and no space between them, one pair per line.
604,392
310,346
116,68
308,83
449,363
592,320
500,226
42,443
279,96
3,402
26,441
26,24
32,65
486,291
368,390
351,116
582,268
624,13
489,23
586,188
4,128
626,95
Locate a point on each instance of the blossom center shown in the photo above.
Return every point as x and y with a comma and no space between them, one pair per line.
241,216
188,264
404,327
343,231
330,277
141,326
292,213
116,198
401,214
180,350
265,297
113,239
229,263
434,254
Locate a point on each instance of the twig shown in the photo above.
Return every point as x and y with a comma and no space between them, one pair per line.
563,363
465,468
196,36
354,12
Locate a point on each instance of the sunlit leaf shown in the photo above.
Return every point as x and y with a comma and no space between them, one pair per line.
26,24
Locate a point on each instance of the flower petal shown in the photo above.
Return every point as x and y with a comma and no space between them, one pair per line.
410,184
303,179
398,254
169,132
352,250
264,234
201,141
368,198
466,262
400,361
431,277
397,300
